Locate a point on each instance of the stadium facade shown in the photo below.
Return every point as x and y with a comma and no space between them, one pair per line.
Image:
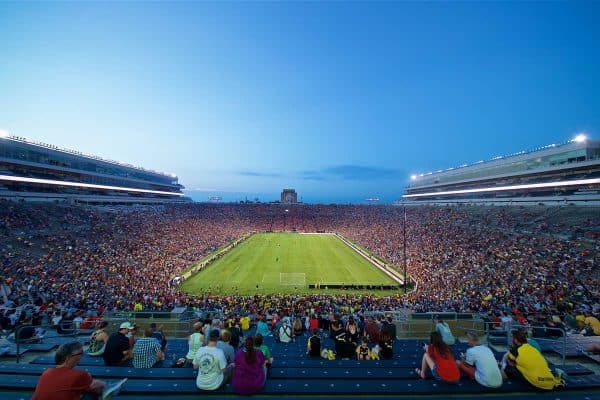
554,174
34,171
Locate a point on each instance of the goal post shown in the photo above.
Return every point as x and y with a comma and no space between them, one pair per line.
292,278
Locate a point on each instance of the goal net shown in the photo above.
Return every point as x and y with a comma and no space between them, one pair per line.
292,278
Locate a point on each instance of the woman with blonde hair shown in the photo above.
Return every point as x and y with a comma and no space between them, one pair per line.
98,340
298,327
195,341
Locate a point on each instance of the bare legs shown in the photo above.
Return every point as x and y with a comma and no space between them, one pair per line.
427,364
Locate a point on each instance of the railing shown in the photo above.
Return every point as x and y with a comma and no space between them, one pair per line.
133,315
176,329
411,328
506,333
69,328
446,316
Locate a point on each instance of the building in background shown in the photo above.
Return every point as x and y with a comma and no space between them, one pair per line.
34,171
563,173
289,196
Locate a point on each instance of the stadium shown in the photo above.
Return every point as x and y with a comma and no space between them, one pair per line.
36,171
90,245
563,173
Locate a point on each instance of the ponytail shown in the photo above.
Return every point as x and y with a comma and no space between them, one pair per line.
250,352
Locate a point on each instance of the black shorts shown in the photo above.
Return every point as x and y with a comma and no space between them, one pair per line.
513,373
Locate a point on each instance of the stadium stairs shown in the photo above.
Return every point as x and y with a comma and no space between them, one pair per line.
296,376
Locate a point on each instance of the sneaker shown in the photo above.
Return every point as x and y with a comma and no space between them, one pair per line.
112,389
559,373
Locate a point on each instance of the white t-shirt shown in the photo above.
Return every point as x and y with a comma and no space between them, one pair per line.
487,372
196,340
210,361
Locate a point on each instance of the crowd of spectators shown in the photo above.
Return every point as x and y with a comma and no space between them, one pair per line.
75,262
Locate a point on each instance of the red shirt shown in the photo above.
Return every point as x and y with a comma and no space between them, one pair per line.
314,324
88,323
444,366
62,384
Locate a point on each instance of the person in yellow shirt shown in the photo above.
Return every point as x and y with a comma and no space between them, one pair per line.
525,362
592,325
138,306
245,323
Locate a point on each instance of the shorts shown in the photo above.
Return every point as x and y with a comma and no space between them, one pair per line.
513,373
437,377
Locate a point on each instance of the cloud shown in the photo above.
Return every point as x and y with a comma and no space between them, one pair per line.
201,190
353,173
259,174
346,172
312,176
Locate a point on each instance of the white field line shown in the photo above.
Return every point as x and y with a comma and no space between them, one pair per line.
371,260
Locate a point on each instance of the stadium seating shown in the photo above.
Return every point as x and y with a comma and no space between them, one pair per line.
317,387
295,374
222,396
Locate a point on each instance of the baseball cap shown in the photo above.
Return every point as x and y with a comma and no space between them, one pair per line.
125,325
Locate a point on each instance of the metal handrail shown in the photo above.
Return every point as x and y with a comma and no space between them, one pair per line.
410,328
446,316
172,328
514,327
18,341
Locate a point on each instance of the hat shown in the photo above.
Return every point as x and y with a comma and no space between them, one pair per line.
125,325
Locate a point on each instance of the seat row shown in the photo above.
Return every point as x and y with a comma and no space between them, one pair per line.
316,371
336,386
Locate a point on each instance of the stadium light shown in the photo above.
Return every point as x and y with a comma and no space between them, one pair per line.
511,187
413,177
4,134
82,185
580,138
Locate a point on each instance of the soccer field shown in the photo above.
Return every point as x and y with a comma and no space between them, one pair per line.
285,263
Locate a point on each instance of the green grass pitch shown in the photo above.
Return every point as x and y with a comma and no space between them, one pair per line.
285,263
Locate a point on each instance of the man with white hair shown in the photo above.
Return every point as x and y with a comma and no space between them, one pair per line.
480,363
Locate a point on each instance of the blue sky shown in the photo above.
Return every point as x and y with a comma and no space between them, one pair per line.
341,101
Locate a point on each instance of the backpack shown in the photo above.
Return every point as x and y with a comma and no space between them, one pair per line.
315,345
287,331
